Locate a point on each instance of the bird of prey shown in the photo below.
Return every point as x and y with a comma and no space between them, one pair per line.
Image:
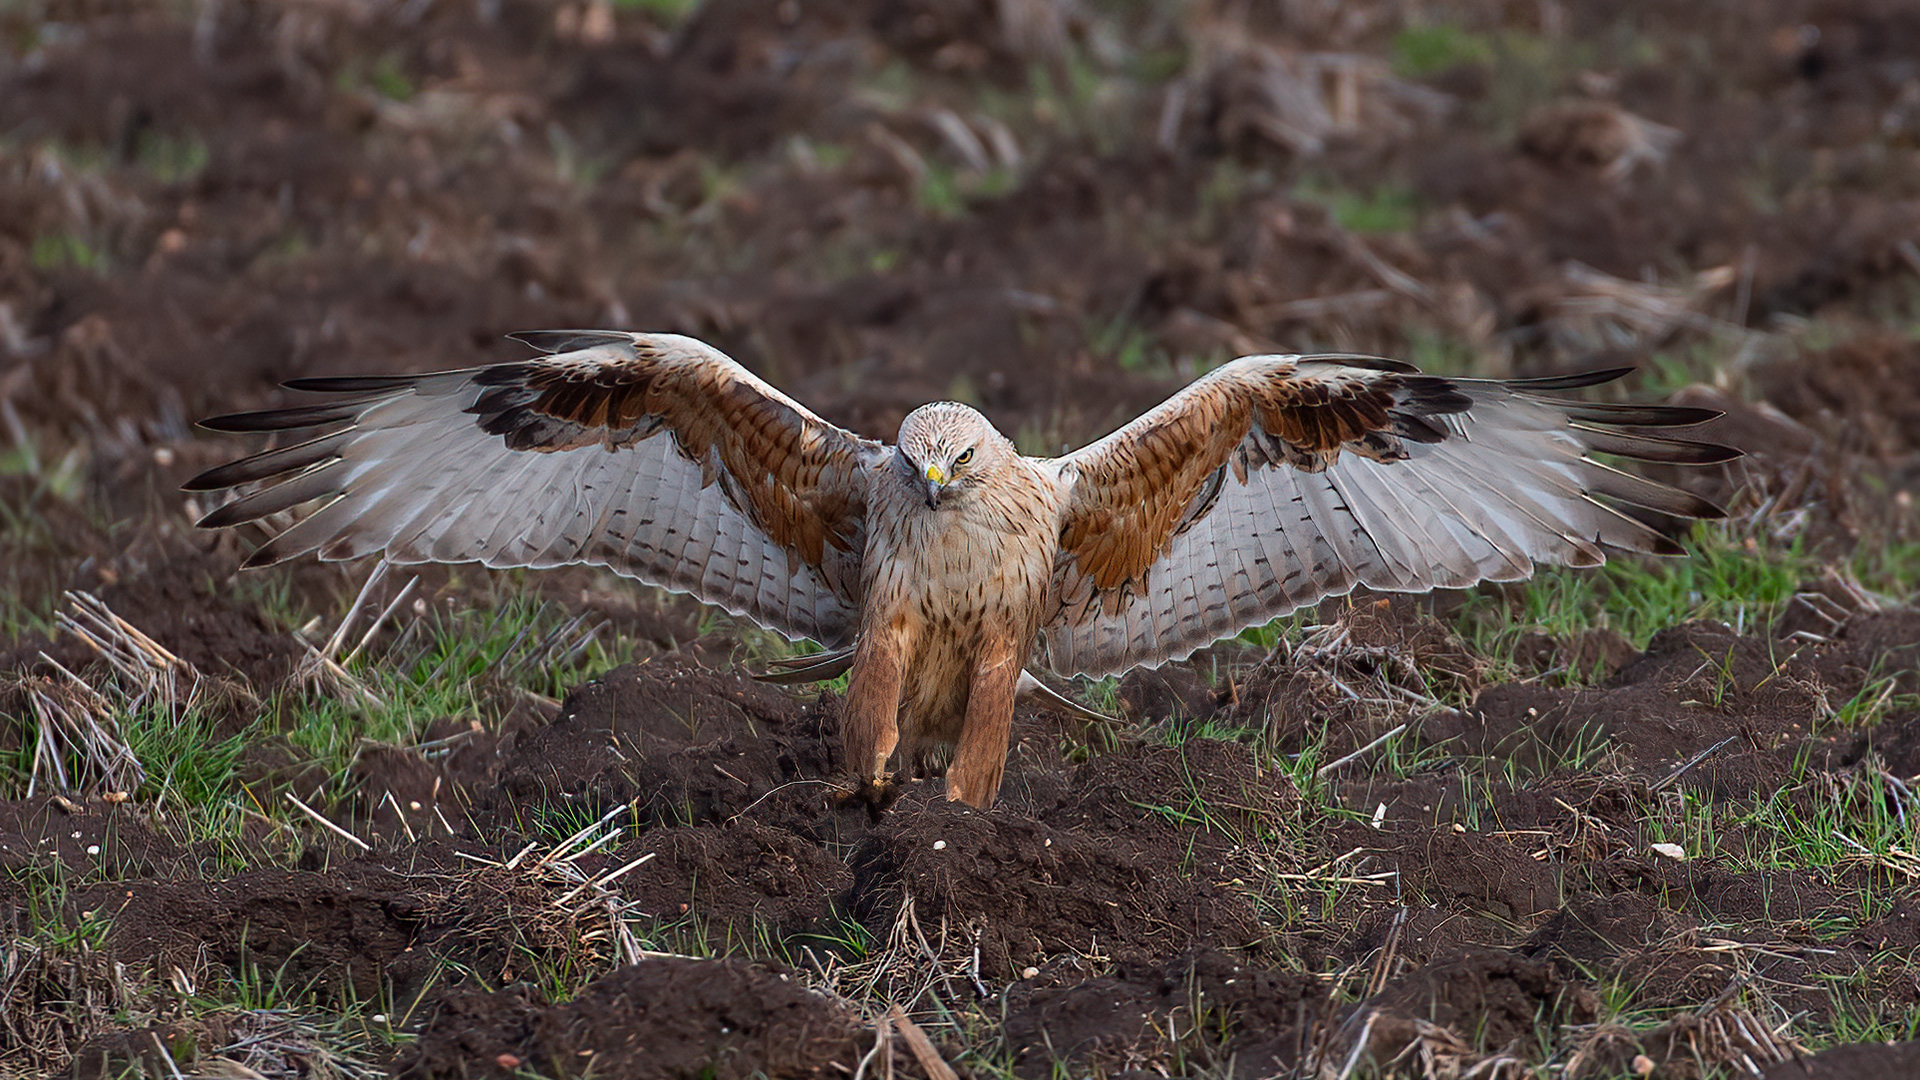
938,568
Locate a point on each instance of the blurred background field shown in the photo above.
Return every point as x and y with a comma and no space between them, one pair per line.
1421,837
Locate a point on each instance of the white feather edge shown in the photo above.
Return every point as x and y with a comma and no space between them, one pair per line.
1502,496
420,482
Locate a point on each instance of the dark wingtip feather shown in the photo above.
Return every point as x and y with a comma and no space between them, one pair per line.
209,479
270,463
515,375
1686,415
248,470
306,486
1365,361
1664,416
1415,428
1666,547
1640,447
1432,395
303,416
264,556
214,479
1655,532
236,423
288,545
352,384
1706,453
1578,380
560,341
221,517
1638,491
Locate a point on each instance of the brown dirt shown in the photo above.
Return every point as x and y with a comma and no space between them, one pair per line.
1496,995
1024,892
1121,878
348,927
61,835
177,604
739,875
194,209
1591,929
664,1018
1863,1062
1257,1020
1695,686
692,745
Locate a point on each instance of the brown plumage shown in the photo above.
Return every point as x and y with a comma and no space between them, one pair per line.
940,567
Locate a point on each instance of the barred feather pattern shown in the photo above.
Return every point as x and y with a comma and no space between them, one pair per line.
1509,486
415,477
945,563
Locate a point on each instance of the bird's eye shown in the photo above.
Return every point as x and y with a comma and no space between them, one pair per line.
965,456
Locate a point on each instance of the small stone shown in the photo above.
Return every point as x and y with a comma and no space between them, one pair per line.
93,849
507,1061
939,845
1642,1065
1671,851
1028,973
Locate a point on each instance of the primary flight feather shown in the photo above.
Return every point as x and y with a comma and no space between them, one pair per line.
940,566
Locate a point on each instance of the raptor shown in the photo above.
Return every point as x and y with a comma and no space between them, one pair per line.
939,568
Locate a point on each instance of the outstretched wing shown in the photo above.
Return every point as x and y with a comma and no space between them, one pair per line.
652,454
1278,480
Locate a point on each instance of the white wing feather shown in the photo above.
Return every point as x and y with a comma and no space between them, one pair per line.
1509,489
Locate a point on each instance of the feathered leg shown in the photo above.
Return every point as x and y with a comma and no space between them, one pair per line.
870,718
981,756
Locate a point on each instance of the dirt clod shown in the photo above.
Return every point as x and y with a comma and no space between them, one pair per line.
668,1018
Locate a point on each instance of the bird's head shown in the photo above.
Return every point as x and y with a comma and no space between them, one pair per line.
945,448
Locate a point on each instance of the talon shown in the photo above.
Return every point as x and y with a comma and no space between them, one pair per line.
874,793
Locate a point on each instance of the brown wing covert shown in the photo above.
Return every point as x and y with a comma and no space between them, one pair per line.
654,455
1278,480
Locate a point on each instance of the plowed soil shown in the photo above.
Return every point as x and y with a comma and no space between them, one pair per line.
1379,844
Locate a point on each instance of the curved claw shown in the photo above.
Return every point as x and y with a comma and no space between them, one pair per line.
876,795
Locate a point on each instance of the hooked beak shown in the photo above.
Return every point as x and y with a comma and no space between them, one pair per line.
936,483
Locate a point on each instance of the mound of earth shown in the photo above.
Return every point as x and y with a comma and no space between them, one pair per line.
670,1018
1022,892
684,743
1499,998
1257,1019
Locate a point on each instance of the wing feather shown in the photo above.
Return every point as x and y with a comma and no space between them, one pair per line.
1395,547
312,483
652,454
1642,447
1331,473
313,453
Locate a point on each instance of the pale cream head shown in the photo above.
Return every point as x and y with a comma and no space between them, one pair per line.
946,447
